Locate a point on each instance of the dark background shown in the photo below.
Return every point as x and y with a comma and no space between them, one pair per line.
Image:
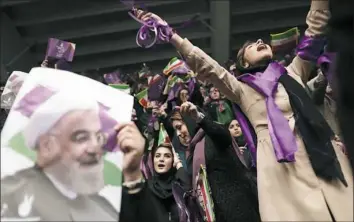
105,34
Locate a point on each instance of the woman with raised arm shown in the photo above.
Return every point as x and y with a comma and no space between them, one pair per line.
302,174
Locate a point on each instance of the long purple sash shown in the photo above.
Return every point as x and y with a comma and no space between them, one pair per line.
282,137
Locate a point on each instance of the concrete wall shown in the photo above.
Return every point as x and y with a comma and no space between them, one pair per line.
12,46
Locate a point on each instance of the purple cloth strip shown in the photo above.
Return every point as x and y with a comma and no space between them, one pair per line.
156,88
191,86
181,71
151,122
108,124
146,165
282,137
152,32
33,99
310,48
178,194
174,91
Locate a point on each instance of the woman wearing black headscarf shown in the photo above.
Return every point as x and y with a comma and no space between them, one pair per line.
236,132
167,170
233,190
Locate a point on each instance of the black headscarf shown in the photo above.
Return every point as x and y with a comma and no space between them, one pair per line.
192,127
161,184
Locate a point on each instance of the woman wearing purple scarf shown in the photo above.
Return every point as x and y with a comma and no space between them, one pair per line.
302,174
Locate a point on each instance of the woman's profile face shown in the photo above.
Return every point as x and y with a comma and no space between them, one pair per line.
163,160
256,53
182,132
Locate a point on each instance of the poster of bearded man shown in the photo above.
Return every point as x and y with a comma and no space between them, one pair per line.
59,156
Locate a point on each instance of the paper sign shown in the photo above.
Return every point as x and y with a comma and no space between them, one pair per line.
66,107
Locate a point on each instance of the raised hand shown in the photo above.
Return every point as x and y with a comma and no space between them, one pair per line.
44,63
132,144
145,16
189,109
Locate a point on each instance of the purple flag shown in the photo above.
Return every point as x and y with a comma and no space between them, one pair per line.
156,87
59,49
108,124
112,78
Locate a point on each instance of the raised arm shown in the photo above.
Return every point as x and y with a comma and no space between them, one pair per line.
218,133
311,46
208,69
202,64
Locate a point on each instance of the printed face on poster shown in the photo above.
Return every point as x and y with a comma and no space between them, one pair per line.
70,118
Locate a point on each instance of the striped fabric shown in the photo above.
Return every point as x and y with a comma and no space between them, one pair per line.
172,65
143,97
122,87
285,41
204,195
163,136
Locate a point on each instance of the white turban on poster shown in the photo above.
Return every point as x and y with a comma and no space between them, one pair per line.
45,98
51,111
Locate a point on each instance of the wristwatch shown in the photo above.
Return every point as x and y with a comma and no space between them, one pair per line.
135,186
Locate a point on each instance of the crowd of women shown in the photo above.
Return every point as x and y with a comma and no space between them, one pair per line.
256,140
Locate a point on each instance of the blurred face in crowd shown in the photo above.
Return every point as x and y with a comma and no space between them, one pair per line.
256,53
235,129
163,160
184,95
182,132
214,93
202,91
72,151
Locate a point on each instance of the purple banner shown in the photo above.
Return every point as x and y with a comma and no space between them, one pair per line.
60,49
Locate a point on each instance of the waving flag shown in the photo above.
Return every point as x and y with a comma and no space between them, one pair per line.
143,97
172,65
59,49
163,136
122,87
285,41
144,72
204,195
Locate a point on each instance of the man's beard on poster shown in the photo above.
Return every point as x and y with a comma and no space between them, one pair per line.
81,179
87,176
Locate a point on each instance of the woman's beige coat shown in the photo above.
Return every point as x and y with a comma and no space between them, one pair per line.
287,191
